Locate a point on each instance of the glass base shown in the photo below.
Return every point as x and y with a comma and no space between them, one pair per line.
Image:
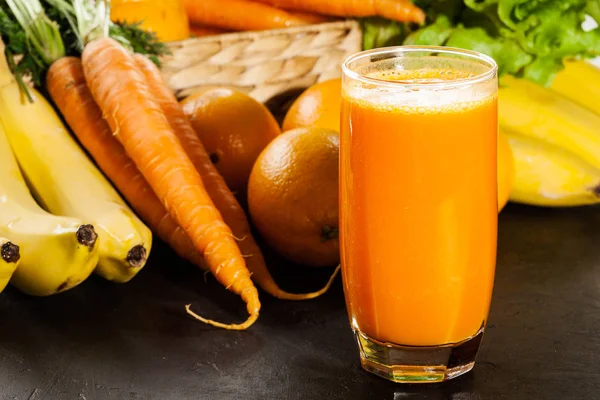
417,364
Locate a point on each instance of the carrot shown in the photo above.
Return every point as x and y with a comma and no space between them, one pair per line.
201,30
399,10
311,18
239,15
223,198
67,87
137,121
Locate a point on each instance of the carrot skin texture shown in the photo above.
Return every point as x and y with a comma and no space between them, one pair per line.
311,18
121,92
399,10
69,91
200,31
239,15
233,214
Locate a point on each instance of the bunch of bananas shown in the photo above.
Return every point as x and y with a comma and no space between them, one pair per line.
60,216
554,134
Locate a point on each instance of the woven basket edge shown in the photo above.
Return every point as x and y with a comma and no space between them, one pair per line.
253,35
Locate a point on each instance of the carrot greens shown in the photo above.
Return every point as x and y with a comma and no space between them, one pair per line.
37,32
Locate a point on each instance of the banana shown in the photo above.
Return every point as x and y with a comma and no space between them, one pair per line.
547,175
57,253
579,81
529,109
66,182
9,260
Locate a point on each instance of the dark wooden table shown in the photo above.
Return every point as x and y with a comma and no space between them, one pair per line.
134,341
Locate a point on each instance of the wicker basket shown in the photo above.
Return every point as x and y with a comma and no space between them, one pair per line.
264,64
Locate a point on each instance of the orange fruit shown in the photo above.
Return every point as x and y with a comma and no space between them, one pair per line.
318,106
234,129
506,171
293,196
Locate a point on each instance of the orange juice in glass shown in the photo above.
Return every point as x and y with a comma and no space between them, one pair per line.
418,207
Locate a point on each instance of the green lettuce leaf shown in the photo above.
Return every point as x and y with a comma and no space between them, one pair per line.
543,69
435,34
593,9
379,32
527,38
480,5
511,58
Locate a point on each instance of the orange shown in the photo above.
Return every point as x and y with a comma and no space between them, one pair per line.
166,18
506,170
293,196
318,106
234,129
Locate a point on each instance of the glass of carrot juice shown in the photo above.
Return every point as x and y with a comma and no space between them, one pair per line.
418,207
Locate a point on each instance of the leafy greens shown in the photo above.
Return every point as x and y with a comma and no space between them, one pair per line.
527,38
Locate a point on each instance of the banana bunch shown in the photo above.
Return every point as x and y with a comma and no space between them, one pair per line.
66,182
56,253
66,217
555,140
579,81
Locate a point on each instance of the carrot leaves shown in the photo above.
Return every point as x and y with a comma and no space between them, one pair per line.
38,32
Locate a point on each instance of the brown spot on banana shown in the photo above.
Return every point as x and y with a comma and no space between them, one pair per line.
63,286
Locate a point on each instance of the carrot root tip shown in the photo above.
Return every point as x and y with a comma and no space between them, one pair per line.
309,296
233,327
239,239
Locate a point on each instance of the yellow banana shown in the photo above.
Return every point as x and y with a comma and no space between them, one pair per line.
579,82
529,109
9,260
57,253
547,175
66,182
506,170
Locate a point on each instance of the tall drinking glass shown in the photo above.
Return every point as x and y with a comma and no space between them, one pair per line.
418,207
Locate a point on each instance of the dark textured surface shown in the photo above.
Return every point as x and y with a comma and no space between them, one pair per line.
134,341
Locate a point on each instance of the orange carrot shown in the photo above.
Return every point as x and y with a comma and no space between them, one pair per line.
120,90
399,10
67,87
201,30
239,15
311,18
224,200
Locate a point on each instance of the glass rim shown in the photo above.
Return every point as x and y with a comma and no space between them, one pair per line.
473,55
